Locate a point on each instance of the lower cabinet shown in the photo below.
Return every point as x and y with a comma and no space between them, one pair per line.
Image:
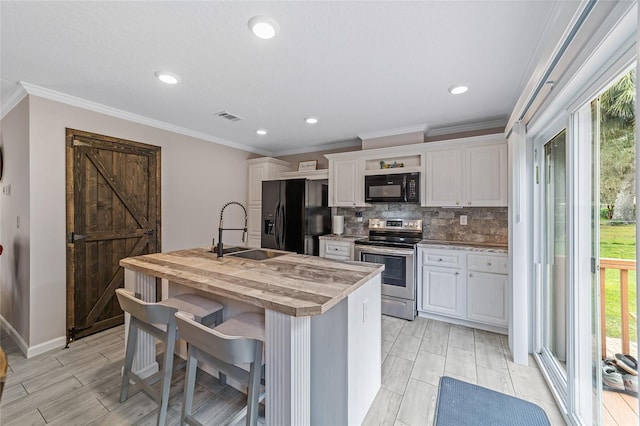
467,287
487,298
443,291
336,249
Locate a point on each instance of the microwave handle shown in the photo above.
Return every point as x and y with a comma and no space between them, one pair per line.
404,188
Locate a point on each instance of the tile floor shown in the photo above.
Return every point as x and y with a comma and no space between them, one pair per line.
80,385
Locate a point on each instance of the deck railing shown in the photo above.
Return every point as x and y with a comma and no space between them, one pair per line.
624,266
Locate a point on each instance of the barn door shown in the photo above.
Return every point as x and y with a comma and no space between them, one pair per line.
113,212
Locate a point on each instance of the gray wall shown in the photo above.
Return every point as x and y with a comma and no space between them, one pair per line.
198,177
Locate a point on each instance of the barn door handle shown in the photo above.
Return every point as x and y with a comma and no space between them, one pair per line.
150,232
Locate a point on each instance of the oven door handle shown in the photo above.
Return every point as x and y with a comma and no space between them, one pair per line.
383,250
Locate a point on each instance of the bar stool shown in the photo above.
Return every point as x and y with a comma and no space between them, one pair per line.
238,340
158,319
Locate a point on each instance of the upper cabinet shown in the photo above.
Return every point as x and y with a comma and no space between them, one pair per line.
346,183
465,172
486,182
444,178
264,168
467,176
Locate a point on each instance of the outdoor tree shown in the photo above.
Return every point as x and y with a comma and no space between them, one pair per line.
617,148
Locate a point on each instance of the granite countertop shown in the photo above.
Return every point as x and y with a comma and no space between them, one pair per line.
462,245
293,284
342,237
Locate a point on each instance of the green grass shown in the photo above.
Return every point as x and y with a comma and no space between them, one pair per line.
618,242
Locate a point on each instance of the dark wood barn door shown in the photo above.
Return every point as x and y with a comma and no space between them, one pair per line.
113,212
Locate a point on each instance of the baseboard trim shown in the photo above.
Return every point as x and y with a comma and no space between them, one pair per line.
15,335
57,343
31,351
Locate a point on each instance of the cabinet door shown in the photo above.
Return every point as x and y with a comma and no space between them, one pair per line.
255,217
444,178
345,183
486,181
257,173
442,291
487,298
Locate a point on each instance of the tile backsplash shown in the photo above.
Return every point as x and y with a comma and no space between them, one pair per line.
484,224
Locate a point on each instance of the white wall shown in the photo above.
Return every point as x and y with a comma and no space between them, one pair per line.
198,177
14,261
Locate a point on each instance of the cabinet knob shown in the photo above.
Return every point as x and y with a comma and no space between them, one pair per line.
457,273
488,263
471,275
457,203
469,202
440,260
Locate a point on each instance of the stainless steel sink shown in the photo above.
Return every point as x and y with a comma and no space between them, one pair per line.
228,250
258,254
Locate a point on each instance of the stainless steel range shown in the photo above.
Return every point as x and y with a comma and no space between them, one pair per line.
392,242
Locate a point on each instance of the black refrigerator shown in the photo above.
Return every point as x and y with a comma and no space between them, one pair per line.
295,212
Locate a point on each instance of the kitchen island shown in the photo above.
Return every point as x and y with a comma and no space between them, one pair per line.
322,324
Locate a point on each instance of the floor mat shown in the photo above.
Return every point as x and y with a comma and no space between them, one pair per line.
464,404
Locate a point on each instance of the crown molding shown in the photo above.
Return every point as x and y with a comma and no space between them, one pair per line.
489,124
11,101
53,95
393,132
316,148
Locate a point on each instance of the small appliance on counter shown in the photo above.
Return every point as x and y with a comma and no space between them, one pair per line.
392,242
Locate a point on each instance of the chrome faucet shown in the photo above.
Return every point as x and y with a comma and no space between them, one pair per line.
220,226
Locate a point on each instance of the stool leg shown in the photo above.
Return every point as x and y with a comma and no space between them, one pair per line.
253,391
132,339
167,370
189,385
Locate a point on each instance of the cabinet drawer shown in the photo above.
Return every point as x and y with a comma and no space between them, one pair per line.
494,263
444,258
338,248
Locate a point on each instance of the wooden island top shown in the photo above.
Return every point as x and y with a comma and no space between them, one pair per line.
292,284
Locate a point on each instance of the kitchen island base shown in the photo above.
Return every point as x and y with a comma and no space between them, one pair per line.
320,369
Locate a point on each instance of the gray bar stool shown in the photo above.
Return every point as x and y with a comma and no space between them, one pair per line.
158,319
238,340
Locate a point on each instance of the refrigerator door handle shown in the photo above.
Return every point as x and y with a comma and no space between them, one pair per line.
276,225
283,215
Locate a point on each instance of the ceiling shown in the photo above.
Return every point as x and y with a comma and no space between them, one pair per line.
363,68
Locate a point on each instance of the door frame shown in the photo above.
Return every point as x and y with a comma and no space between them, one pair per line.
74,138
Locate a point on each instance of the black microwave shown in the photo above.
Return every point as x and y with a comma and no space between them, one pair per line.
392,188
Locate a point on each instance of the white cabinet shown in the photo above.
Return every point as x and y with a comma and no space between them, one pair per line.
259,169
442,291
474,176
487,298
346,183
336,249
487,286
465,287
444,178
486,182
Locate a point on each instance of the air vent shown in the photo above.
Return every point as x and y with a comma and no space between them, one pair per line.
227,115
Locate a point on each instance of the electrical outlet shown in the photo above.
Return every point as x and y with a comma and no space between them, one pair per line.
463,219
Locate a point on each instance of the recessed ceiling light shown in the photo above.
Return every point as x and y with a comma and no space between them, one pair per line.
311,120
261,131
263,27
457,90
167,77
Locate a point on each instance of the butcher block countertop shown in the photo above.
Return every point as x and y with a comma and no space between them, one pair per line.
292,284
